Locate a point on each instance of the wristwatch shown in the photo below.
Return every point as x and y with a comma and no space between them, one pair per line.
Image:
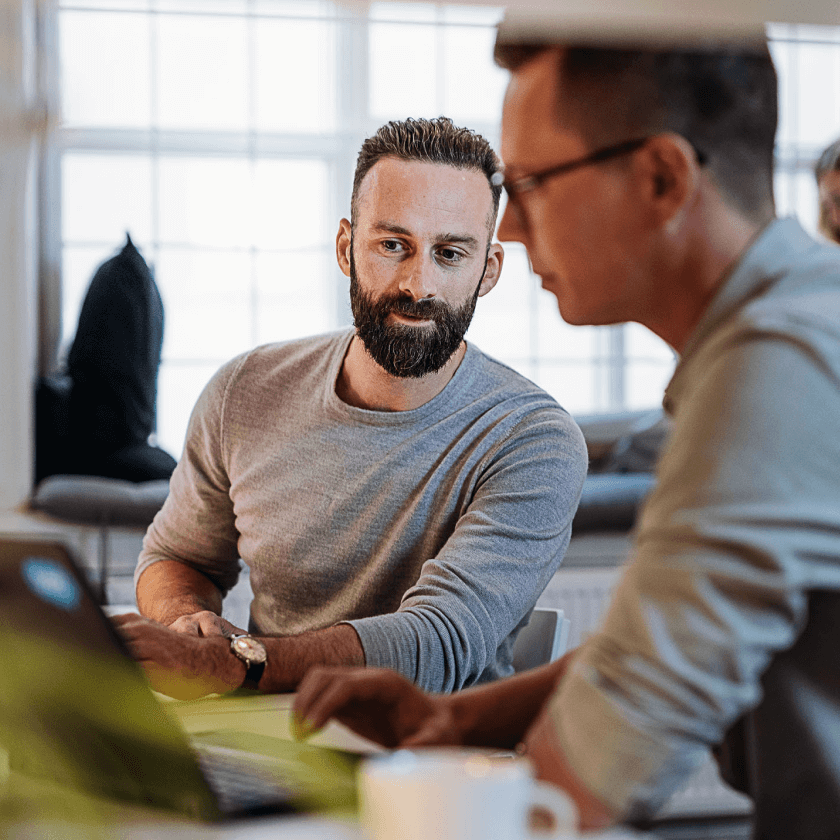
253,653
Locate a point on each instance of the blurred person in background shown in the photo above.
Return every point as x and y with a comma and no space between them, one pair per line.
827,172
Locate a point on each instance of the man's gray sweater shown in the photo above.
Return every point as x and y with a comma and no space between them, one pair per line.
431,531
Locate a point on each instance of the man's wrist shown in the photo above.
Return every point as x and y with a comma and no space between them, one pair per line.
228,669
253,655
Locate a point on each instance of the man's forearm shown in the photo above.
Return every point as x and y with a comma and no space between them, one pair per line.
168,589
188,665
499,714
290,657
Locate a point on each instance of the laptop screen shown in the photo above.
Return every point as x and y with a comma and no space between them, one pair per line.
74,708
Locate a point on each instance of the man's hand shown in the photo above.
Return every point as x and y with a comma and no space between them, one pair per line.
181,665
205,623
379,704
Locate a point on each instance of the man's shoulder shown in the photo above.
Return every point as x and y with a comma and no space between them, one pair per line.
497,378
270,360
802,305
527,408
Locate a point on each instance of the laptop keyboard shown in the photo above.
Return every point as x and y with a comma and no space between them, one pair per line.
244,783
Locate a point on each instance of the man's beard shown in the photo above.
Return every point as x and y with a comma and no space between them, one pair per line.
401,349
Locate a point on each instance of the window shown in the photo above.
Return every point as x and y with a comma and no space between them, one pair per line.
223,137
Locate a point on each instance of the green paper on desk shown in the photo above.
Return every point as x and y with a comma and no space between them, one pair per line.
323,771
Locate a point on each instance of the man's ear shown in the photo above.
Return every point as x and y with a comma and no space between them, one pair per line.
343,243
670,175
495,258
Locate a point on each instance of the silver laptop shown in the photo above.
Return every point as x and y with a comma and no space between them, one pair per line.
77,710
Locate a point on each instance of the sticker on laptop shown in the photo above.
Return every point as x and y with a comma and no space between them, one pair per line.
51,582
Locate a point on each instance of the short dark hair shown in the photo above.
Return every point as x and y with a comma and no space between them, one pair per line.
430,141
722,99
829,161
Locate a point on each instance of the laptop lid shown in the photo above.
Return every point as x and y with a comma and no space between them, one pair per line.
74,707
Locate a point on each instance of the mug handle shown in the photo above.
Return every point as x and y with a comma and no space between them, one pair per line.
561,807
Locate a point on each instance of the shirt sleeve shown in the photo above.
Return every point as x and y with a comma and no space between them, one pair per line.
508,542
743,522
196,525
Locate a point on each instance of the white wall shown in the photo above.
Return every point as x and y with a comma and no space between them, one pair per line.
19,127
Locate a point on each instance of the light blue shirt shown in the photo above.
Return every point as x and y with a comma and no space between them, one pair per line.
738,539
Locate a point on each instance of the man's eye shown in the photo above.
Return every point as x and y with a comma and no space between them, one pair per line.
392,245
450,255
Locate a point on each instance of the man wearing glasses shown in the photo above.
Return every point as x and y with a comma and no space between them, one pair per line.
641,184
401,499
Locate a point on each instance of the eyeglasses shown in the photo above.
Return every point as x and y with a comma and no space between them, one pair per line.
530,182
527,183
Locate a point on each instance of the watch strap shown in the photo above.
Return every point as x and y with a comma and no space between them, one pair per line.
253,674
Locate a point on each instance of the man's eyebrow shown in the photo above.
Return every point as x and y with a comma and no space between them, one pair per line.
454,238
389,227
458,238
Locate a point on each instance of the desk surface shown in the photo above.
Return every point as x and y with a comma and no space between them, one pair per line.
262,715
267,714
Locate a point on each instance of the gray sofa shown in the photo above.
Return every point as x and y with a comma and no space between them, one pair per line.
623,450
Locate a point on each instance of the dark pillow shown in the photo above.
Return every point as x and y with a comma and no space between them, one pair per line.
115,356
52,400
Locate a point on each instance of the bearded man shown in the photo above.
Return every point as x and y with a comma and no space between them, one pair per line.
400,498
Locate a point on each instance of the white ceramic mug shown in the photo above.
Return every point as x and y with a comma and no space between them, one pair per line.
457,794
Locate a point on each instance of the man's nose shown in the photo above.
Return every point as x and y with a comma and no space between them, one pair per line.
419,279
510,227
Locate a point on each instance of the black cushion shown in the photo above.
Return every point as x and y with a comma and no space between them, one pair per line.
115,355
52,401
113,367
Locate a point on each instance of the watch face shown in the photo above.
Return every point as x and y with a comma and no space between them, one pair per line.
249,649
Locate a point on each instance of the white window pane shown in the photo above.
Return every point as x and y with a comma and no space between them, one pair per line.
202,67
503,335
203,6
294,8
818,91
207,303
784,57
796,195
645,384
640,343
130,5
105,69
572,385
411,12
777,30
104,196
296,294
817,32
295,75
204,201
502,322
179,386
402,71
475,86
559,340
290,204
474,15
